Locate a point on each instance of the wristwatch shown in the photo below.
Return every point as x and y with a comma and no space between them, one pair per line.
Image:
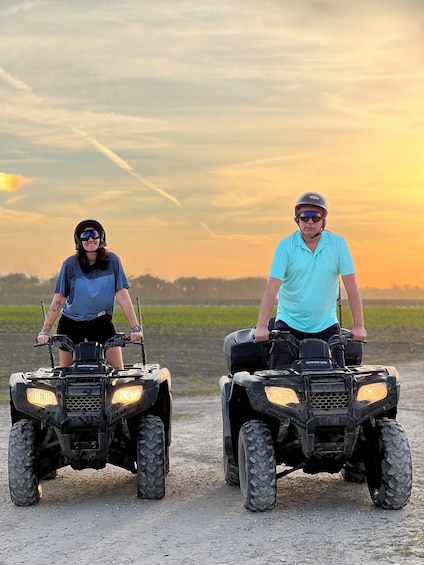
136,328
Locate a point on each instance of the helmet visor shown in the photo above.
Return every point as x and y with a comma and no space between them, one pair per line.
87,234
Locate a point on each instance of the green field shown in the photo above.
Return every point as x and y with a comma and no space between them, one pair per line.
29,318
188,339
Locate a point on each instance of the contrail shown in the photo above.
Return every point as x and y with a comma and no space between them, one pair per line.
236,236
111,155
18,84
126,167
119,162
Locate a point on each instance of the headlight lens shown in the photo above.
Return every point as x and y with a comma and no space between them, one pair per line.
281,395
372,392
41,397
127,395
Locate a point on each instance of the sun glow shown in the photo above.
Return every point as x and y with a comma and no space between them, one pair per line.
11,183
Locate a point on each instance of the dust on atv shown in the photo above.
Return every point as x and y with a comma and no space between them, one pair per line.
312,416
86,416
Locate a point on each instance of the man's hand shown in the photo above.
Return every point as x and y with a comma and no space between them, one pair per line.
359,333
261,333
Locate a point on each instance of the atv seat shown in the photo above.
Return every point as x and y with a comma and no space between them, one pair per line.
314,354
242,353
88,351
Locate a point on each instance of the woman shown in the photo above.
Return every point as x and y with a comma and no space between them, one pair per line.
86,289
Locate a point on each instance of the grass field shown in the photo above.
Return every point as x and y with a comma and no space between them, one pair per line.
188,339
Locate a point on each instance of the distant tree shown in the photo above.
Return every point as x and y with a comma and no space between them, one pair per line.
18,288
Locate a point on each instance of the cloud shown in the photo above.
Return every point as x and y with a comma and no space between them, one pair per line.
23,7
13,200
18,219
106,151
111,155
225,110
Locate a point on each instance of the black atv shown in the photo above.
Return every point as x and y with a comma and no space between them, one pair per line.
313,416
88,415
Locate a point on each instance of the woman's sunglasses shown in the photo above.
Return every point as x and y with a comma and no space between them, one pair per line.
86,234
310,215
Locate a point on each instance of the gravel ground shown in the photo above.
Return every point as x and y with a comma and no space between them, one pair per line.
88,517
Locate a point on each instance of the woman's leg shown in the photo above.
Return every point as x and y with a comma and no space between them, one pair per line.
114,357
65,358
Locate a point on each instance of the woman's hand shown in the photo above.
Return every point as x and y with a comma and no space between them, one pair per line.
43,338
136,337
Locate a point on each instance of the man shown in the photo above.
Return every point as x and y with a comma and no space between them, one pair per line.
305,276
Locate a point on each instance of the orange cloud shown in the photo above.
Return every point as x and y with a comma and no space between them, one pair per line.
12,183
13,200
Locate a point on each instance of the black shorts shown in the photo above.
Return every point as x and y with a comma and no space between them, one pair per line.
100,329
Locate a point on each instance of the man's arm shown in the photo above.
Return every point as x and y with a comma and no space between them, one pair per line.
265,309
355,303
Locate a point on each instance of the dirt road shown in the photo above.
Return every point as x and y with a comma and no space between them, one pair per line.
91,517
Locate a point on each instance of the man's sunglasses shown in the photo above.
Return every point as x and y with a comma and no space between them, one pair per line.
86,234
310,215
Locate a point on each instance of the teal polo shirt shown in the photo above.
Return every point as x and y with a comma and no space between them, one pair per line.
310,281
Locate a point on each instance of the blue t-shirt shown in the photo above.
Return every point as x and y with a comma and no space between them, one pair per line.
310,281
89,295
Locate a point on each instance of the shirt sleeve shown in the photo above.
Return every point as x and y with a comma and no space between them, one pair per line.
279,262
63,282
121,280
347,266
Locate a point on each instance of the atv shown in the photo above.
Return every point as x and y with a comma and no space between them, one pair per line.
86,416
312,416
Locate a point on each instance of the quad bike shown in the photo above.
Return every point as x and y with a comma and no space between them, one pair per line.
88,415
311,416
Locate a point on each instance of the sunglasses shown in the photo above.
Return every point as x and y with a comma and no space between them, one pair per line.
86,234
310,215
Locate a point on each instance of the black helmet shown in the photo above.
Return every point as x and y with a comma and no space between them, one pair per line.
89,224
311,199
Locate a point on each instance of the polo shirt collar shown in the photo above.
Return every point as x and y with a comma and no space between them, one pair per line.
323,240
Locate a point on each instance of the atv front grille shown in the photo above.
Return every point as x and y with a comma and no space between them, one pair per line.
84,404
84,397
329,400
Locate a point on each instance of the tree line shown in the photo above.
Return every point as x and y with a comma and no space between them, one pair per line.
19,288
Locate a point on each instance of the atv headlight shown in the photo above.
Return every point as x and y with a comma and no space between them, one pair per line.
393,372
127,395
41,397
281,395
372,392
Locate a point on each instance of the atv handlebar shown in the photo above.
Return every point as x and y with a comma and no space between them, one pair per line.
284,335
60,340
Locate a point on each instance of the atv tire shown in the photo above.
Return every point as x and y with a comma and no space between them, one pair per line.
24,484
151,458
257,467
389,474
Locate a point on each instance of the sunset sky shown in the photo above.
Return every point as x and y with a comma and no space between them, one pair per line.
190,127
